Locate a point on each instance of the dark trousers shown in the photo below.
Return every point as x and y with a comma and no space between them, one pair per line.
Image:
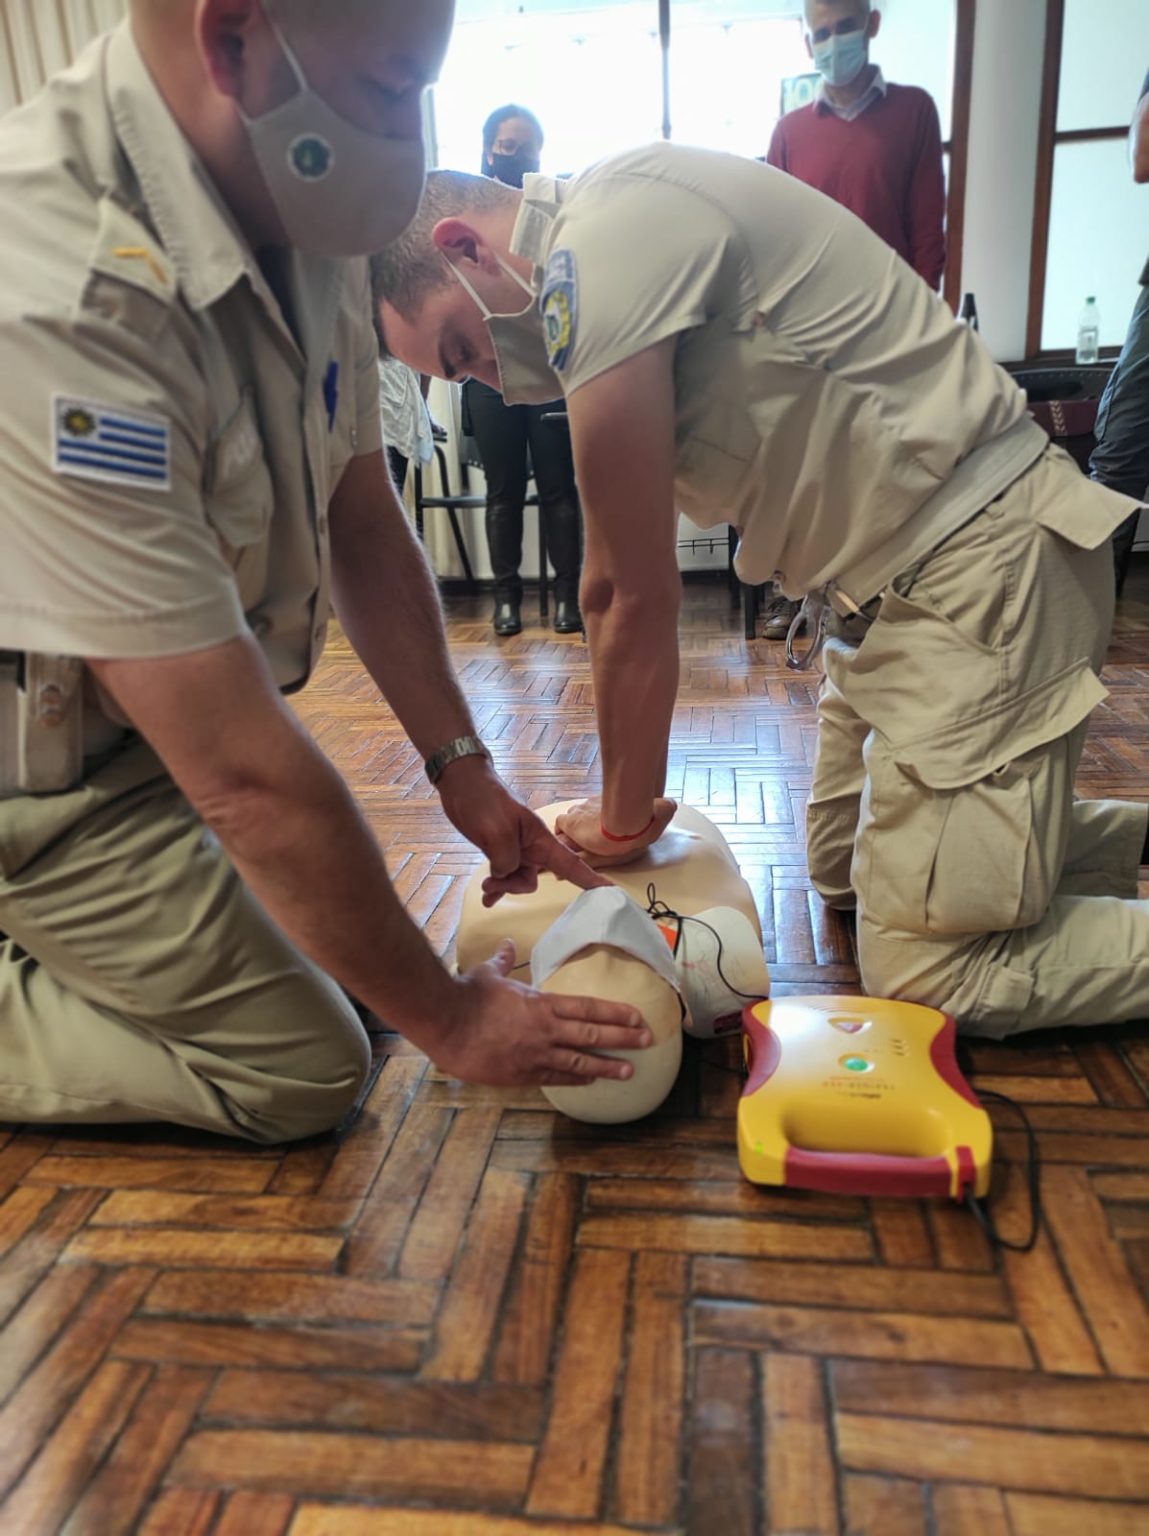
504,433
397,464
1121,458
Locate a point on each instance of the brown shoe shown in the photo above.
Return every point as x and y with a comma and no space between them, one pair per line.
778,617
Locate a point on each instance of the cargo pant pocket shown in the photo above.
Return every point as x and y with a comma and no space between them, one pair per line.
966,859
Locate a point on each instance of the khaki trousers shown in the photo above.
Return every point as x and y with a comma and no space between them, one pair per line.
942,803
140,980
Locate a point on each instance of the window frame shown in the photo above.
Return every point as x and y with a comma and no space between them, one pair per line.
957,146
1049,138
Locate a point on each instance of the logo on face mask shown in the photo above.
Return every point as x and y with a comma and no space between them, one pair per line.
311,157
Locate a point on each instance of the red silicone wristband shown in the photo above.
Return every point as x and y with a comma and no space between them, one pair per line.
627,837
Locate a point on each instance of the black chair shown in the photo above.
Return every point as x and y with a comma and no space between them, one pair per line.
452,504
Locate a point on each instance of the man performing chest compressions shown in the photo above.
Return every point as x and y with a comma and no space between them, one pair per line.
733,344
191,473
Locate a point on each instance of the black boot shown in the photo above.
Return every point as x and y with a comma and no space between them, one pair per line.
564,540
505,544
508,617
568,619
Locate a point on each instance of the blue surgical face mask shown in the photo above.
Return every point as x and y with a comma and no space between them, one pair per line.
842,57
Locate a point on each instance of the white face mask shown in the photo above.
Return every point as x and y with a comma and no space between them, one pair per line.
338,190
525,374
603,916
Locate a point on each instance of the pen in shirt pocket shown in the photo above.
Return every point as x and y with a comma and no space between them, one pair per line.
331,393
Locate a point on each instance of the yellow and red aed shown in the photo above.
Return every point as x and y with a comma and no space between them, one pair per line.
856,1095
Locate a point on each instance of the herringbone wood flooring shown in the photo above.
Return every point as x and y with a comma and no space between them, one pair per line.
470,1317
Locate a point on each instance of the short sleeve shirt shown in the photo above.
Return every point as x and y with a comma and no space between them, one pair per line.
827,403
168,443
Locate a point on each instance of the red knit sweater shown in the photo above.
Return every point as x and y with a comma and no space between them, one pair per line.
885,166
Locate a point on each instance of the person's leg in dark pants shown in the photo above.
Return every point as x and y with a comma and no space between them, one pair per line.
554,475
1121,458
500,431
397,466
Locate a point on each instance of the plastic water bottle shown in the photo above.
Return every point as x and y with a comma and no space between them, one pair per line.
1089,332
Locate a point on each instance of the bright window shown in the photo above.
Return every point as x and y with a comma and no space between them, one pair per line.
592,71
592,76
1098,217
1098,241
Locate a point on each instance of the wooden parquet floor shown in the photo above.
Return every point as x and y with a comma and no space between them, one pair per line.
467,1316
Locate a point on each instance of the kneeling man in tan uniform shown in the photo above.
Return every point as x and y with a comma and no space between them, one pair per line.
191,472
732,344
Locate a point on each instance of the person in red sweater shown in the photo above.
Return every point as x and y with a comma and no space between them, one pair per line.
875,148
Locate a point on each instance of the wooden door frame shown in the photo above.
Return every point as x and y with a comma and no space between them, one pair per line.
959,150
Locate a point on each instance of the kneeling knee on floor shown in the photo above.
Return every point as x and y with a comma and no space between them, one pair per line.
309,1085
909,968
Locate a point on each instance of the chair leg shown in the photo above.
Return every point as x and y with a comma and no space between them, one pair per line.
456,531
732,583
750,611
418,501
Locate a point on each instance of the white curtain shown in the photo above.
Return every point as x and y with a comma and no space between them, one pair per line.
40,37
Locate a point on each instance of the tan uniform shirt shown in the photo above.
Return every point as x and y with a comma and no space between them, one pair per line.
169,437
828,404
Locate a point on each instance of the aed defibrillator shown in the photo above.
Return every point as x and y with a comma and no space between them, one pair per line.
861,1096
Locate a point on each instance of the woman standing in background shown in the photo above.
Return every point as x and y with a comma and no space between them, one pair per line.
512,147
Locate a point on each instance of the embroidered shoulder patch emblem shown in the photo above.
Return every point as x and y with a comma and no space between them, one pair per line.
560,308
105,442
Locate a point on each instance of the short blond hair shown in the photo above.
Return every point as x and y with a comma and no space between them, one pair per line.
407,270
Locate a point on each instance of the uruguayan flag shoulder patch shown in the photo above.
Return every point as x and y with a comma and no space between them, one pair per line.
108,443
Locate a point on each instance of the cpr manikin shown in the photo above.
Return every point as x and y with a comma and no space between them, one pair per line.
693,974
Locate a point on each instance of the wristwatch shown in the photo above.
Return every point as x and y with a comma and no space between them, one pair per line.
462,746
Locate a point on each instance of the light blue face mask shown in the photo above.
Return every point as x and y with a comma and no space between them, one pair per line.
842,57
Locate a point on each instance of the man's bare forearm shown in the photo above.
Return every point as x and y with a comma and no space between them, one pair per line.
388,603
287,821
634,661
303,848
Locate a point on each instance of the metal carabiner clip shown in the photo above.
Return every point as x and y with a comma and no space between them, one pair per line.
813,608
